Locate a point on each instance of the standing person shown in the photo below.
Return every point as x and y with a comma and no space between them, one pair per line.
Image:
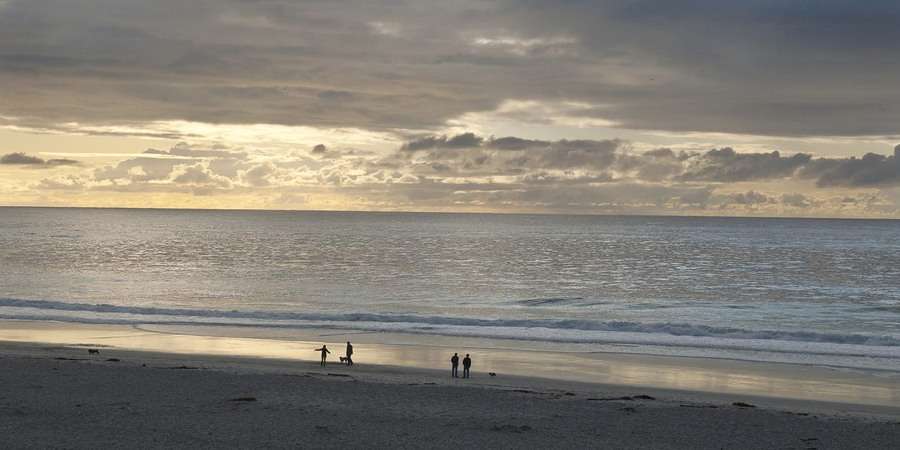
325,353
454,364
467,363
349,354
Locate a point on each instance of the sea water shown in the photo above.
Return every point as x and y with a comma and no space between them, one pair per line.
814,291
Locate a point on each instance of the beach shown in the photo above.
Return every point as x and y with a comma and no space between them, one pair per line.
153,389
640,224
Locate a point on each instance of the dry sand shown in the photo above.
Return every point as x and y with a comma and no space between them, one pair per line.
62,397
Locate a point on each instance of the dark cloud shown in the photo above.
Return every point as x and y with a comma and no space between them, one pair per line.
470,154
726,165
22,159
515,143
613,160
755,66
580,154
870,170
465,140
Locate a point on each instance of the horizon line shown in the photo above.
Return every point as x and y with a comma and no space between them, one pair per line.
493,213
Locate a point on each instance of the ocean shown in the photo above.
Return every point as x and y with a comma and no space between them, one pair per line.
810,291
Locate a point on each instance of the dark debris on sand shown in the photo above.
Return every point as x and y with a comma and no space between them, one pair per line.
624,398
743,405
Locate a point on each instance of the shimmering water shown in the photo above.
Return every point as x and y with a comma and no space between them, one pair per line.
785,285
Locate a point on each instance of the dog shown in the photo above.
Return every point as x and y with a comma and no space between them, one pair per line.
343,359
93,351
492,374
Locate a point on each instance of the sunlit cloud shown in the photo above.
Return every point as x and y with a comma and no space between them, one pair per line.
385,28
558,45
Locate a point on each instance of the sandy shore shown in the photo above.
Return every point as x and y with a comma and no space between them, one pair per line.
819,388
63,397
56,394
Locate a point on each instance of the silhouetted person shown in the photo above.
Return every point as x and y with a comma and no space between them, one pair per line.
467,363
325,353
349,354
454,364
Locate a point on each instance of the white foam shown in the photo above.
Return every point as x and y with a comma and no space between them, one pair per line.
575,331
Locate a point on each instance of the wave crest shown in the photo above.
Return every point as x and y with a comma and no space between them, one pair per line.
284,319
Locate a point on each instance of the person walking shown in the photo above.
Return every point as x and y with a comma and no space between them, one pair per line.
325,353
467,363
349,353
454,364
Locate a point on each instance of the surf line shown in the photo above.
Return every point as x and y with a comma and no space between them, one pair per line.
349,333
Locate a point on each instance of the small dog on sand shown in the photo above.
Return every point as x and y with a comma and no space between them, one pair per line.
93,351
343,359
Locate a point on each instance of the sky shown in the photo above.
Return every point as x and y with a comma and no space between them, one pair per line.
695,107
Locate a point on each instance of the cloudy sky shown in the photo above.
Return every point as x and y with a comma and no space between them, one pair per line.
757,107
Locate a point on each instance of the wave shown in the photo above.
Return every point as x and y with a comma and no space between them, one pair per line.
548,301
886,308
410,322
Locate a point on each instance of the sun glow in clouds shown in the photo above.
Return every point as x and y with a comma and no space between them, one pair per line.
547,108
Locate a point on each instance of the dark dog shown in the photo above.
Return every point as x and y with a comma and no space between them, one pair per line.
343,359
93,351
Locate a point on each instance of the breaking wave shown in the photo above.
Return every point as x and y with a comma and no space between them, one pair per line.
565,330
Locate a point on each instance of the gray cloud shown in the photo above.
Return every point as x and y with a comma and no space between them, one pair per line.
797,200
200,175
22,159
465,140
776,68
183,149
726,165
469,154
870,170
515,143
750,198
200,170
512,173
612,160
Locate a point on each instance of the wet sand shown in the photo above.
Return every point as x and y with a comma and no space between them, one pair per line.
776,384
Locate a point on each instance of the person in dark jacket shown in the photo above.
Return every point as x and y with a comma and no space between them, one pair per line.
467,363
454,364
349,354
325,353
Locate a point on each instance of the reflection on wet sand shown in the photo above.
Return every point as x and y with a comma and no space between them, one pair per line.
690,374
